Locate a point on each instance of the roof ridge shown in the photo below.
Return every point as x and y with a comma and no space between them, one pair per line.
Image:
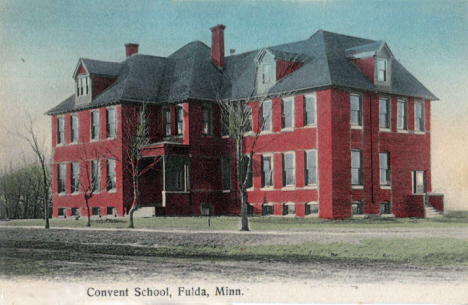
345,35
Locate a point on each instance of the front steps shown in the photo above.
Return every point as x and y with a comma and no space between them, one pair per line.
431,212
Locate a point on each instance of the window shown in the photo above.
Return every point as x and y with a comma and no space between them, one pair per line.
382,70
74,128
266,74
206,209
311,167
226,172
167,121
418,116
402,115
356,110
61,174
95,176
310,106
111,180
95,128
357,208
385,208
207,120
267,209
267,171
110,122
225,117
75,212
111,211
289,169
287,113
356,167
384,111
266,115
177,173
179,112
289,208
384,168
419,184
246,171
60,130
311,208
75,177
82,85
61,212
96,211
248,127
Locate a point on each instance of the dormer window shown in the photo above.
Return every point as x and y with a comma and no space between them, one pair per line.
82,85
266,78
382,72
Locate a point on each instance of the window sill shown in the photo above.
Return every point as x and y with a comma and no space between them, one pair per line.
249,134
266,132
226,191
385,187
310,126
357,187
226,136
402,131
311,187
204,135
385,129
288,188
95,140
61,194
357,127
419,132
267,188
176,192
75,193
289,129
111,138
112,191
73,143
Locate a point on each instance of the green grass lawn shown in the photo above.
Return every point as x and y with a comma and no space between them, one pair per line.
257,223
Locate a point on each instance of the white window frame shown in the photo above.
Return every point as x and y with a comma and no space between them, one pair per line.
111,178
360,112
60,133
306,169
95,125
75,176
207,123
266,117
266,73
384,70
360,169
310,97
284,178
414,178
61,179
404,118
73,137
112,134
83,85
387,175
283,114
422,121
264,186
167,121
180,124
388,116
95,176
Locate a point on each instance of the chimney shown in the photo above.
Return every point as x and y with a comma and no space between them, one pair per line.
131,48
217,45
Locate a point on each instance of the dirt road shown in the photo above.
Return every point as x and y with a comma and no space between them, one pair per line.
82,254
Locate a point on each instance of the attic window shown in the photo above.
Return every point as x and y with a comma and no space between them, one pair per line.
266,74
82,85
382,70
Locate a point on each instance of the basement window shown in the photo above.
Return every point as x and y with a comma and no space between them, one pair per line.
61,212
96,211
267,209
385,208
311,208
357,208
111,211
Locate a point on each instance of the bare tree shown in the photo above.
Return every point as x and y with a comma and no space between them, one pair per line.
30,135
135,136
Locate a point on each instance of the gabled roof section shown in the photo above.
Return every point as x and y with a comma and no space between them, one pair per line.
98,68
189,73
368,50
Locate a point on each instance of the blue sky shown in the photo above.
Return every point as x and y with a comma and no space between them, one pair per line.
41,42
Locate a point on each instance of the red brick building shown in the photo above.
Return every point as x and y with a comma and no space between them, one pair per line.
345,130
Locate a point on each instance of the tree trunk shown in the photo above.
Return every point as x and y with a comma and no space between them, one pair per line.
46,194
241,177
89,214
135,201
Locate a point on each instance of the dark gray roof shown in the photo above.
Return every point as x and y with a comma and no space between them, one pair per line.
103,68
373,48
190,74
